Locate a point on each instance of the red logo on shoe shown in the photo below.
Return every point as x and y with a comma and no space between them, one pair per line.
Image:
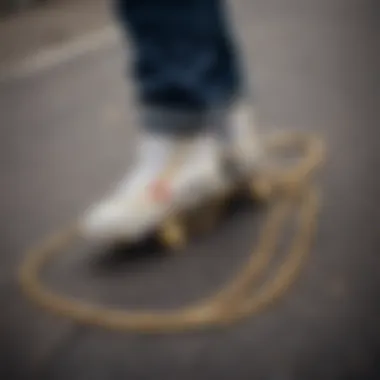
160,191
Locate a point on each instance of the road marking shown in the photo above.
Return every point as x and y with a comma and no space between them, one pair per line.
50,57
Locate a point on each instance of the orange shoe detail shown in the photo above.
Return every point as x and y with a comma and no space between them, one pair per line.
160,191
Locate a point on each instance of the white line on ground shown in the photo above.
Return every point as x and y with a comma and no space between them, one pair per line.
50,57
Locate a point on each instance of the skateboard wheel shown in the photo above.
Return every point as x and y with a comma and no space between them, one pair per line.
261,189
173,234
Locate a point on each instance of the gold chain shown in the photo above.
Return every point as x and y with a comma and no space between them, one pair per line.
292,189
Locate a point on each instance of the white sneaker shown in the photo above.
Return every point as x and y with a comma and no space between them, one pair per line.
170,174
241,141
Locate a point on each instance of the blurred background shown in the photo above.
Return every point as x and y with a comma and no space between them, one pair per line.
67,126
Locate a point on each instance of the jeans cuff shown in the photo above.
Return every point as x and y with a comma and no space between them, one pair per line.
172,121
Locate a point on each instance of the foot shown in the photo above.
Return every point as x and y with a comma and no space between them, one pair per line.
242,144
170,174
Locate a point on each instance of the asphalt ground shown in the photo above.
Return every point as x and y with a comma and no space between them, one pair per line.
67,133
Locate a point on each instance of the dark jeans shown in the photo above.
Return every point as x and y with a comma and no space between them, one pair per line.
185,63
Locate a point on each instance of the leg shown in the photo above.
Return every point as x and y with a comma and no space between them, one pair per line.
185,63
186,74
